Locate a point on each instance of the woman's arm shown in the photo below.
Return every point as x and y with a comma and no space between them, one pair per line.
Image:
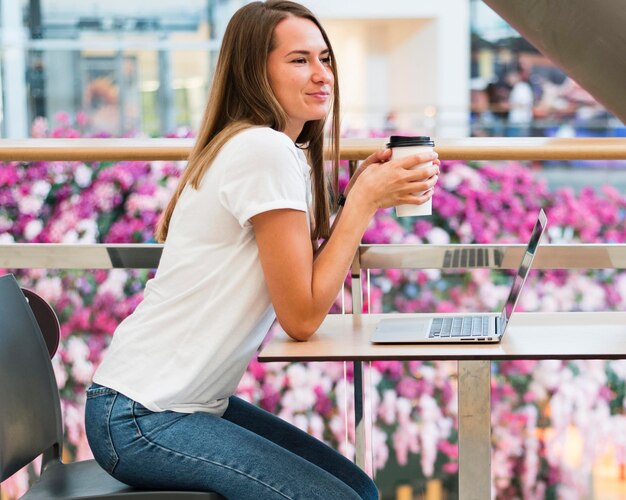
303,289
381,156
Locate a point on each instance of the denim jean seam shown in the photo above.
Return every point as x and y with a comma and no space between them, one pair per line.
174,452
108,427
101,391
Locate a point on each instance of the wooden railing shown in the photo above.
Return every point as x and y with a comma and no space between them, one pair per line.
492,148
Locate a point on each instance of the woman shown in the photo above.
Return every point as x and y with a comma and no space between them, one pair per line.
238,238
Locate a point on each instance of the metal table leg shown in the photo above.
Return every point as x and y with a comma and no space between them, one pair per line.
359,416
474,430
359,380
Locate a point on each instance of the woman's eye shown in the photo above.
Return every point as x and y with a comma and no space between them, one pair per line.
300,60
325,60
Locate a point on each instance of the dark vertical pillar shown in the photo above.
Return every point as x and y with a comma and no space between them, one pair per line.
36,72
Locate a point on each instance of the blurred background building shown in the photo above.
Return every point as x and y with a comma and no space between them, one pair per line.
450,68
128,68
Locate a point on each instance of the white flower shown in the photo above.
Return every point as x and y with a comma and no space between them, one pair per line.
404,408
465,232
346,449
546,376
593,298
298,375
87,230
82,371
381,450
299,399
549,304
432,274
138,202
286,415
76,350
40,189
428,440
73,420
619,368
50,289
317,426
30,205
6,239
5,223
246,385
451,180
301,422
405,439
384,284
70,236
429,373
491,295
59,372
620,286
438,236
333,370
32,229
387,409
114,284
530,300
82,175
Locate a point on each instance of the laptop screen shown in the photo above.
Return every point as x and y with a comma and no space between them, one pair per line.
524,268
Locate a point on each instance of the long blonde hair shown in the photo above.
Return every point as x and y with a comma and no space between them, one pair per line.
241,97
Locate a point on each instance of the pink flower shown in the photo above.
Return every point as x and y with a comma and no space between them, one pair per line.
39,128
62,118
450,468
82,118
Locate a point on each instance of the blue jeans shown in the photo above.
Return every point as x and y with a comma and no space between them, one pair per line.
247,453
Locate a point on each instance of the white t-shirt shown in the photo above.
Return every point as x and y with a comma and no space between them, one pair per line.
205,313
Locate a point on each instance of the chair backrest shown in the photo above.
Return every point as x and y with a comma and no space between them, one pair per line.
30,410
46,319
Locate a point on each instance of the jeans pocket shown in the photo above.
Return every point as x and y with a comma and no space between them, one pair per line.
97,390
98,412
140,410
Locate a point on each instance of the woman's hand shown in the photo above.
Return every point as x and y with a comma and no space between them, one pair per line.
387,183
381,156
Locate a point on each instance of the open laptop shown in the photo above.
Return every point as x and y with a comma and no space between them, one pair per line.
447,328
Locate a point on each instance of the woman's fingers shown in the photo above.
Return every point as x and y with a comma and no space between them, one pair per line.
417,198
418,187
380,156
421,174
412,161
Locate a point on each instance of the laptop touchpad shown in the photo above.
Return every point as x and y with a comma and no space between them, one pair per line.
402,330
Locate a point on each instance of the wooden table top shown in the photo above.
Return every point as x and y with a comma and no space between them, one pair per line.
561,335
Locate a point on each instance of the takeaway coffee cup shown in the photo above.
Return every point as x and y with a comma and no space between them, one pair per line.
401,147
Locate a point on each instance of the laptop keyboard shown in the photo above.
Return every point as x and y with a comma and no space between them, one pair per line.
461,326
471,257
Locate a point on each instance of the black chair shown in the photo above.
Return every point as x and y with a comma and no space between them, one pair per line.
46,320
30,409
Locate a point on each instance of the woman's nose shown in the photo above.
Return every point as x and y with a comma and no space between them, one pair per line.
322,73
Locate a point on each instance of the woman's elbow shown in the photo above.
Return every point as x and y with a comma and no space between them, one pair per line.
299,330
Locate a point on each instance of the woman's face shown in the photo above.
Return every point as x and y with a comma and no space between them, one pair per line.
299,72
